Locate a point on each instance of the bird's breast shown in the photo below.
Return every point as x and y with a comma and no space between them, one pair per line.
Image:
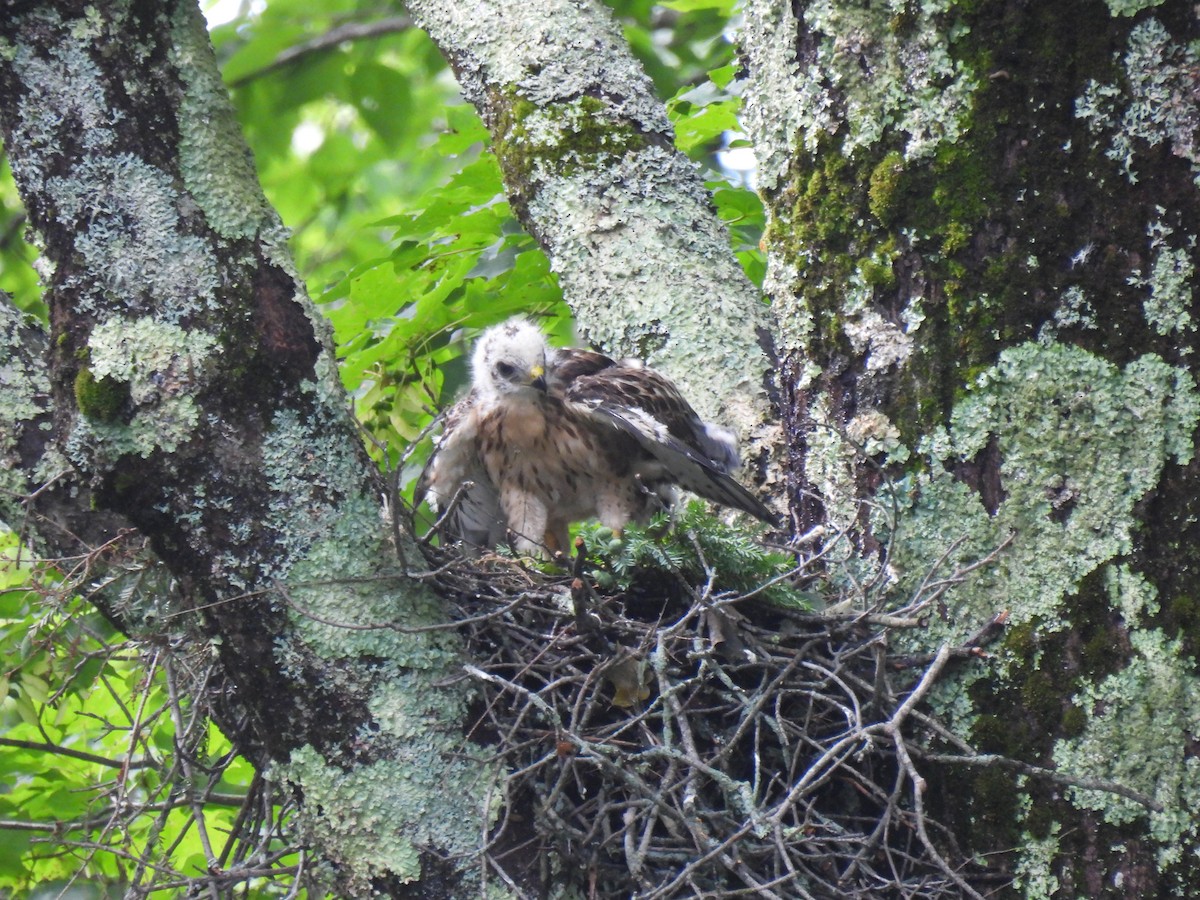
543,444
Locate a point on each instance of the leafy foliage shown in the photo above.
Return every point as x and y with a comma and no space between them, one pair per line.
701,549
459,263
17,277
94,734
340,129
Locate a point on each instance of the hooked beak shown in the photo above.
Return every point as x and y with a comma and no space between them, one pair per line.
537,378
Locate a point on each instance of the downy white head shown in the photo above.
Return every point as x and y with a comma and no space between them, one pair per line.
510,361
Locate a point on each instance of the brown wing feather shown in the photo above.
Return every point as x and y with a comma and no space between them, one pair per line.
476,517
646,405
570,365
631,385
673,445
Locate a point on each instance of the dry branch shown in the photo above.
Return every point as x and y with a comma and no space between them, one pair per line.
751,756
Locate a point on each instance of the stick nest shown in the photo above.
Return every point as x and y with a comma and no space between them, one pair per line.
674,739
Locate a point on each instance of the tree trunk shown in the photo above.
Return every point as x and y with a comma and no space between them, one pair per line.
189,392
983,250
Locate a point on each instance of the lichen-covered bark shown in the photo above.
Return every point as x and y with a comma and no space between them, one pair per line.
191,392
42,496
627,223
983,246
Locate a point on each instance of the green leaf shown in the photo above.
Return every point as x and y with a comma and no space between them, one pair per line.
737,203
699,126
464,130
34,687
723,7
261,51
723,75
15,604
12,849
68,801
196,864
383,98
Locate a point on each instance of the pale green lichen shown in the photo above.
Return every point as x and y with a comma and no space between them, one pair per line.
130,213
347,599
1033,873
132,239
875,434
215,162
909,82
343,578
348,591
22,383
782,102
868,77
1155,105
165,431
1130,7
913,315
67,80
1131,595
89,27
880,341
1093,440
158,366
1169,282
308,463
158,360
796,330
539,47
377,819
52,466
350,604
830,467
1141,721
1074,310
126,211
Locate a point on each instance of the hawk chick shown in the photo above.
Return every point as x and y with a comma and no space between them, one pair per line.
549,436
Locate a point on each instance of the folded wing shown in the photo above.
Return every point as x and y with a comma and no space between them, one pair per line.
457,484
684,450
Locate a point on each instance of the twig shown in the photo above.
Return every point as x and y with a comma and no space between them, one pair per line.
1063,778
351,31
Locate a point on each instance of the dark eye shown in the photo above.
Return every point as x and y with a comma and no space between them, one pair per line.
504,370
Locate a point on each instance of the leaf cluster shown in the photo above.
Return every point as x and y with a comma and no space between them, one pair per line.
458,264
699,549
92,795
17,277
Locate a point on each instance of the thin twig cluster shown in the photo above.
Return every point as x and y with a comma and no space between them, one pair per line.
676,741
160,782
